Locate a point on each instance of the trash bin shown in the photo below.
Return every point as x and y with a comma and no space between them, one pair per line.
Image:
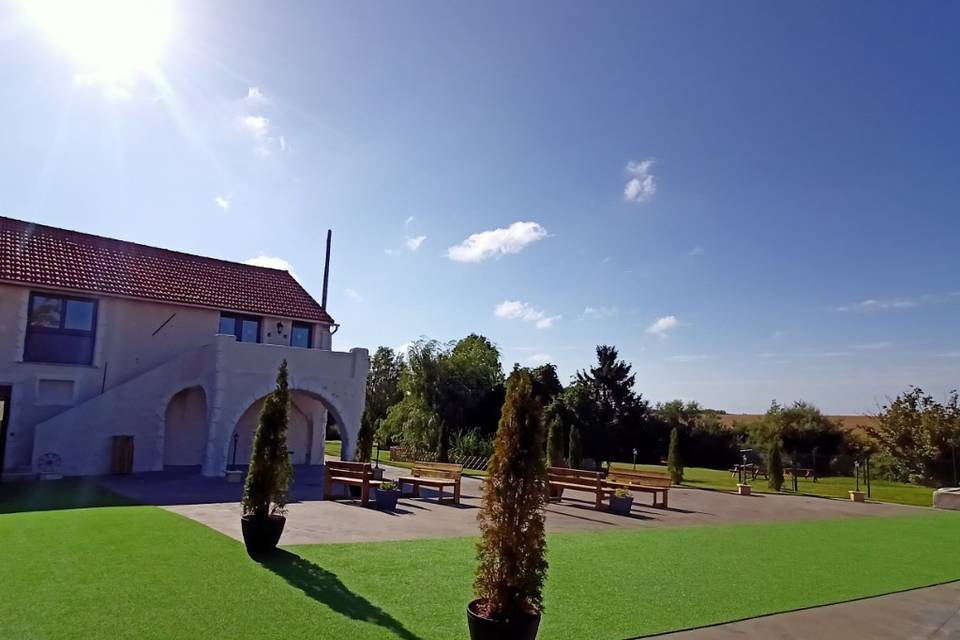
122,455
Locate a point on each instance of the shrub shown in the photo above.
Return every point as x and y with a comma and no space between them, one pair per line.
576,450
268,479
512,565
388,485
555,443
919,436
775,465
622,492
472,443
674,459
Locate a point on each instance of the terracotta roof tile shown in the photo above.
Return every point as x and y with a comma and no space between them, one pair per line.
43,256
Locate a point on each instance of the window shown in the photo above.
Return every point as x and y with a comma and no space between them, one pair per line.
244,328
60,329
301,335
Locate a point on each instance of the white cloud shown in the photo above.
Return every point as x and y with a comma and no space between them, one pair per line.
663,325
404,348
642,184
283,143
353,295
873,304
871,346
222,202
408,221
259,126
698,357
414,243
516,310
497,242
256,97
596,313
540,358
696,251
272,262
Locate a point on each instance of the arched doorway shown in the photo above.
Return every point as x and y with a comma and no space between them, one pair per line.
185,428
305,429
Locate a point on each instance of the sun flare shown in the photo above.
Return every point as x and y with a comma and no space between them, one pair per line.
110,41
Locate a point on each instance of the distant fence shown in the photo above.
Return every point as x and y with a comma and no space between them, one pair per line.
408,454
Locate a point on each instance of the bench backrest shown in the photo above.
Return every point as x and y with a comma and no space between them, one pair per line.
641,478
359,470
590,479
437,470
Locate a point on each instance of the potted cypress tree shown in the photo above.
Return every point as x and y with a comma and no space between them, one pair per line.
511,552
268,478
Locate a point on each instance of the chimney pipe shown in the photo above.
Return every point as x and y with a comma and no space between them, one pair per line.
326,272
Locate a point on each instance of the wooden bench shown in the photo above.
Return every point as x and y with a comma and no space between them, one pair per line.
646,481
349,474
435,475
559,478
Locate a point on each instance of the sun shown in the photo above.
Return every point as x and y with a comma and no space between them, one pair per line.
110,41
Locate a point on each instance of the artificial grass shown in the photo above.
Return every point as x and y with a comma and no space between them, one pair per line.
830,487
146,573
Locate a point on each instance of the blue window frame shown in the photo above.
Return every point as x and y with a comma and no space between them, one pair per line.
60,329
301,335
243,328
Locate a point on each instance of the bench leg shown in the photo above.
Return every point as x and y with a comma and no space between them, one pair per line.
456,493
665,494
599,504
364,493
440,494
416,490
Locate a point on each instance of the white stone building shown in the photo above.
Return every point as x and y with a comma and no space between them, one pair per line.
100,338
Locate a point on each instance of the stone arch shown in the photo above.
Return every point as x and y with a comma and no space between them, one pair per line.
302,427
185,427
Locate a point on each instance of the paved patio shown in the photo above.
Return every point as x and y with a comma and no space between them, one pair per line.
215,503
930,614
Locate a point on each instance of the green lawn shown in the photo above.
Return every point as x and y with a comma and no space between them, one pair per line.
143,572
833,487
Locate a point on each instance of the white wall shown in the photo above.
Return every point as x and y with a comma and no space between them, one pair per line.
185,428
145,354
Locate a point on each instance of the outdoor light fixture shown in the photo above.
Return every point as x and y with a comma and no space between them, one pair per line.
279,327
634,459
856,468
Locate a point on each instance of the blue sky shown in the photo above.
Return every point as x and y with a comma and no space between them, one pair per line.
752,200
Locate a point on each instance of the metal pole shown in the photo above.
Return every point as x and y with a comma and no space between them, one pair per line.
867,473
378,454
856,471
634,459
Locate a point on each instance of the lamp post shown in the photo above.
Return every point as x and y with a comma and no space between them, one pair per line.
377,442
856,496
634,458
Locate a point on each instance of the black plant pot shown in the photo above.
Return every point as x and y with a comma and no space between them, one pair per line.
522,628
261,534
386,500
621,505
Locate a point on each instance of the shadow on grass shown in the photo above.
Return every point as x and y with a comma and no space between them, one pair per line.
326,588
54,495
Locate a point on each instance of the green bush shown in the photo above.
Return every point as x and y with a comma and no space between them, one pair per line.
674,458
268,479
576,451
775,465
511,552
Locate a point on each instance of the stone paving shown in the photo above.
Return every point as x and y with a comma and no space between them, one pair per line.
928,614
312,521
